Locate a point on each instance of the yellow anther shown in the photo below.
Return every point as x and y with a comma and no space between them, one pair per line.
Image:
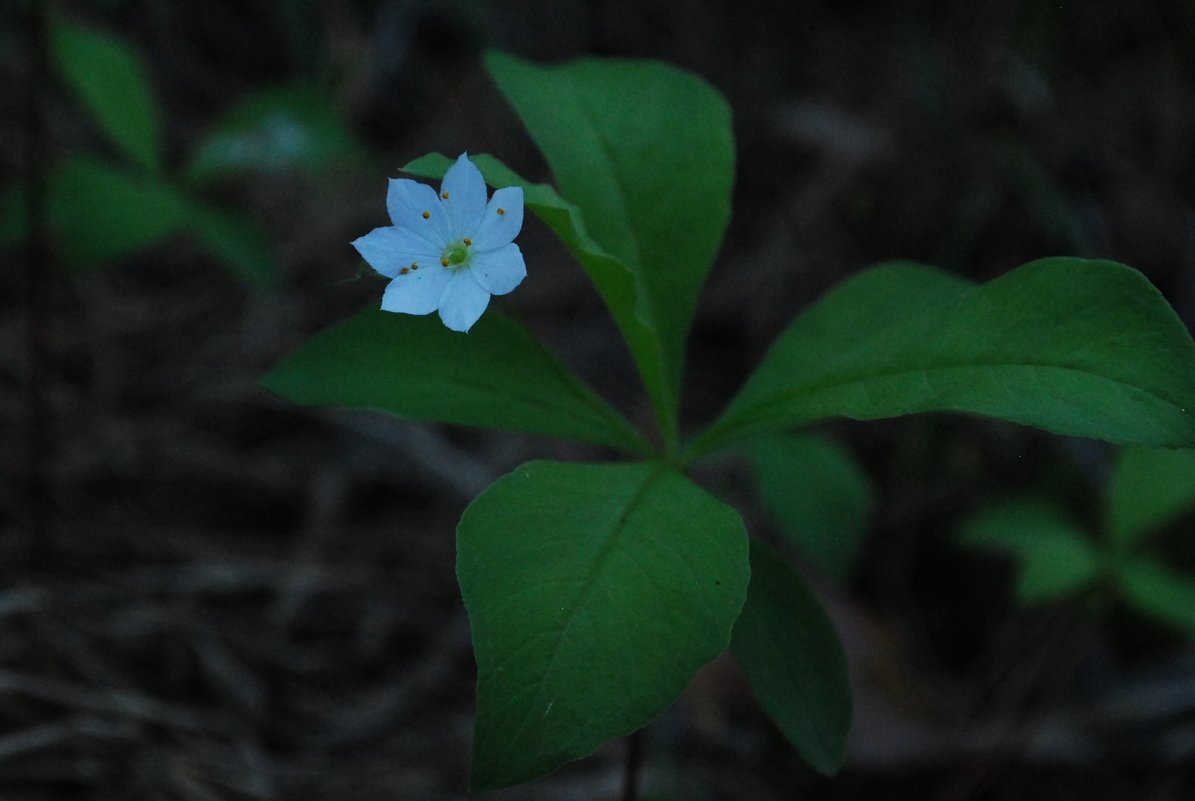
501,211
468,242
427,215
443,262
404,271
444,195
414,266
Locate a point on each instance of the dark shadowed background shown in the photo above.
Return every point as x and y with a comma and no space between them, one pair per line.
206,593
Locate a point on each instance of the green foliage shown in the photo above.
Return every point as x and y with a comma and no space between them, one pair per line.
1158,592
794,661
499,376
100,213
1148,489
238,242
817,494
281,128
595,592
109,78
1080,348
1056,556
621,139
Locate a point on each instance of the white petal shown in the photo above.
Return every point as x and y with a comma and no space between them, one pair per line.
417,292
407,201
463,302
497,229
465,201
390,249
499,271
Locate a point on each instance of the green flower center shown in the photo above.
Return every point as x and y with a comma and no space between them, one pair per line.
455,255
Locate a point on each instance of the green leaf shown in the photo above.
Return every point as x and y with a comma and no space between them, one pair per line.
1056,558
646,151
595,593
1160,593
1149,488
100,213
108,76
794,662
818,496
238,242
1080,348
497,376
281,128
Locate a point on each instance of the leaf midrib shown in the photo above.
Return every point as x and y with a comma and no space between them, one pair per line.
586,586
620,191
810,390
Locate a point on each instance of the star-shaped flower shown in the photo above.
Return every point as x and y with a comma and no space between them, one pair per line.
448,251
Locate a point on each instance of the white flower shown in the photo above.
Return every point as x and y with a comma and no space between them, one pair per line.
449,251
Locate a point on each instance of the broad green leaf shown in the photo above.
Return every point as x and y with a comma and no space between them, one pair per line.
646,151
818,496
100,213
1055,556
794,662
1080,348
497,376
595,593
238,242
109,77
1157,591
1148,489
281,128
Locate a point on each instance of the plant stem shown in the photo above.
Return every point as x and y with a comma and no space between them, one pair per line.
631,766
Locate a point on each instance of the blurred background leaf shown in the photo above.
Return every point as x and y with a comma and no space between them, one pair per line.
818,496
1157,591
239,242
277,129
1149,488
1054,557
110,79
100,213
